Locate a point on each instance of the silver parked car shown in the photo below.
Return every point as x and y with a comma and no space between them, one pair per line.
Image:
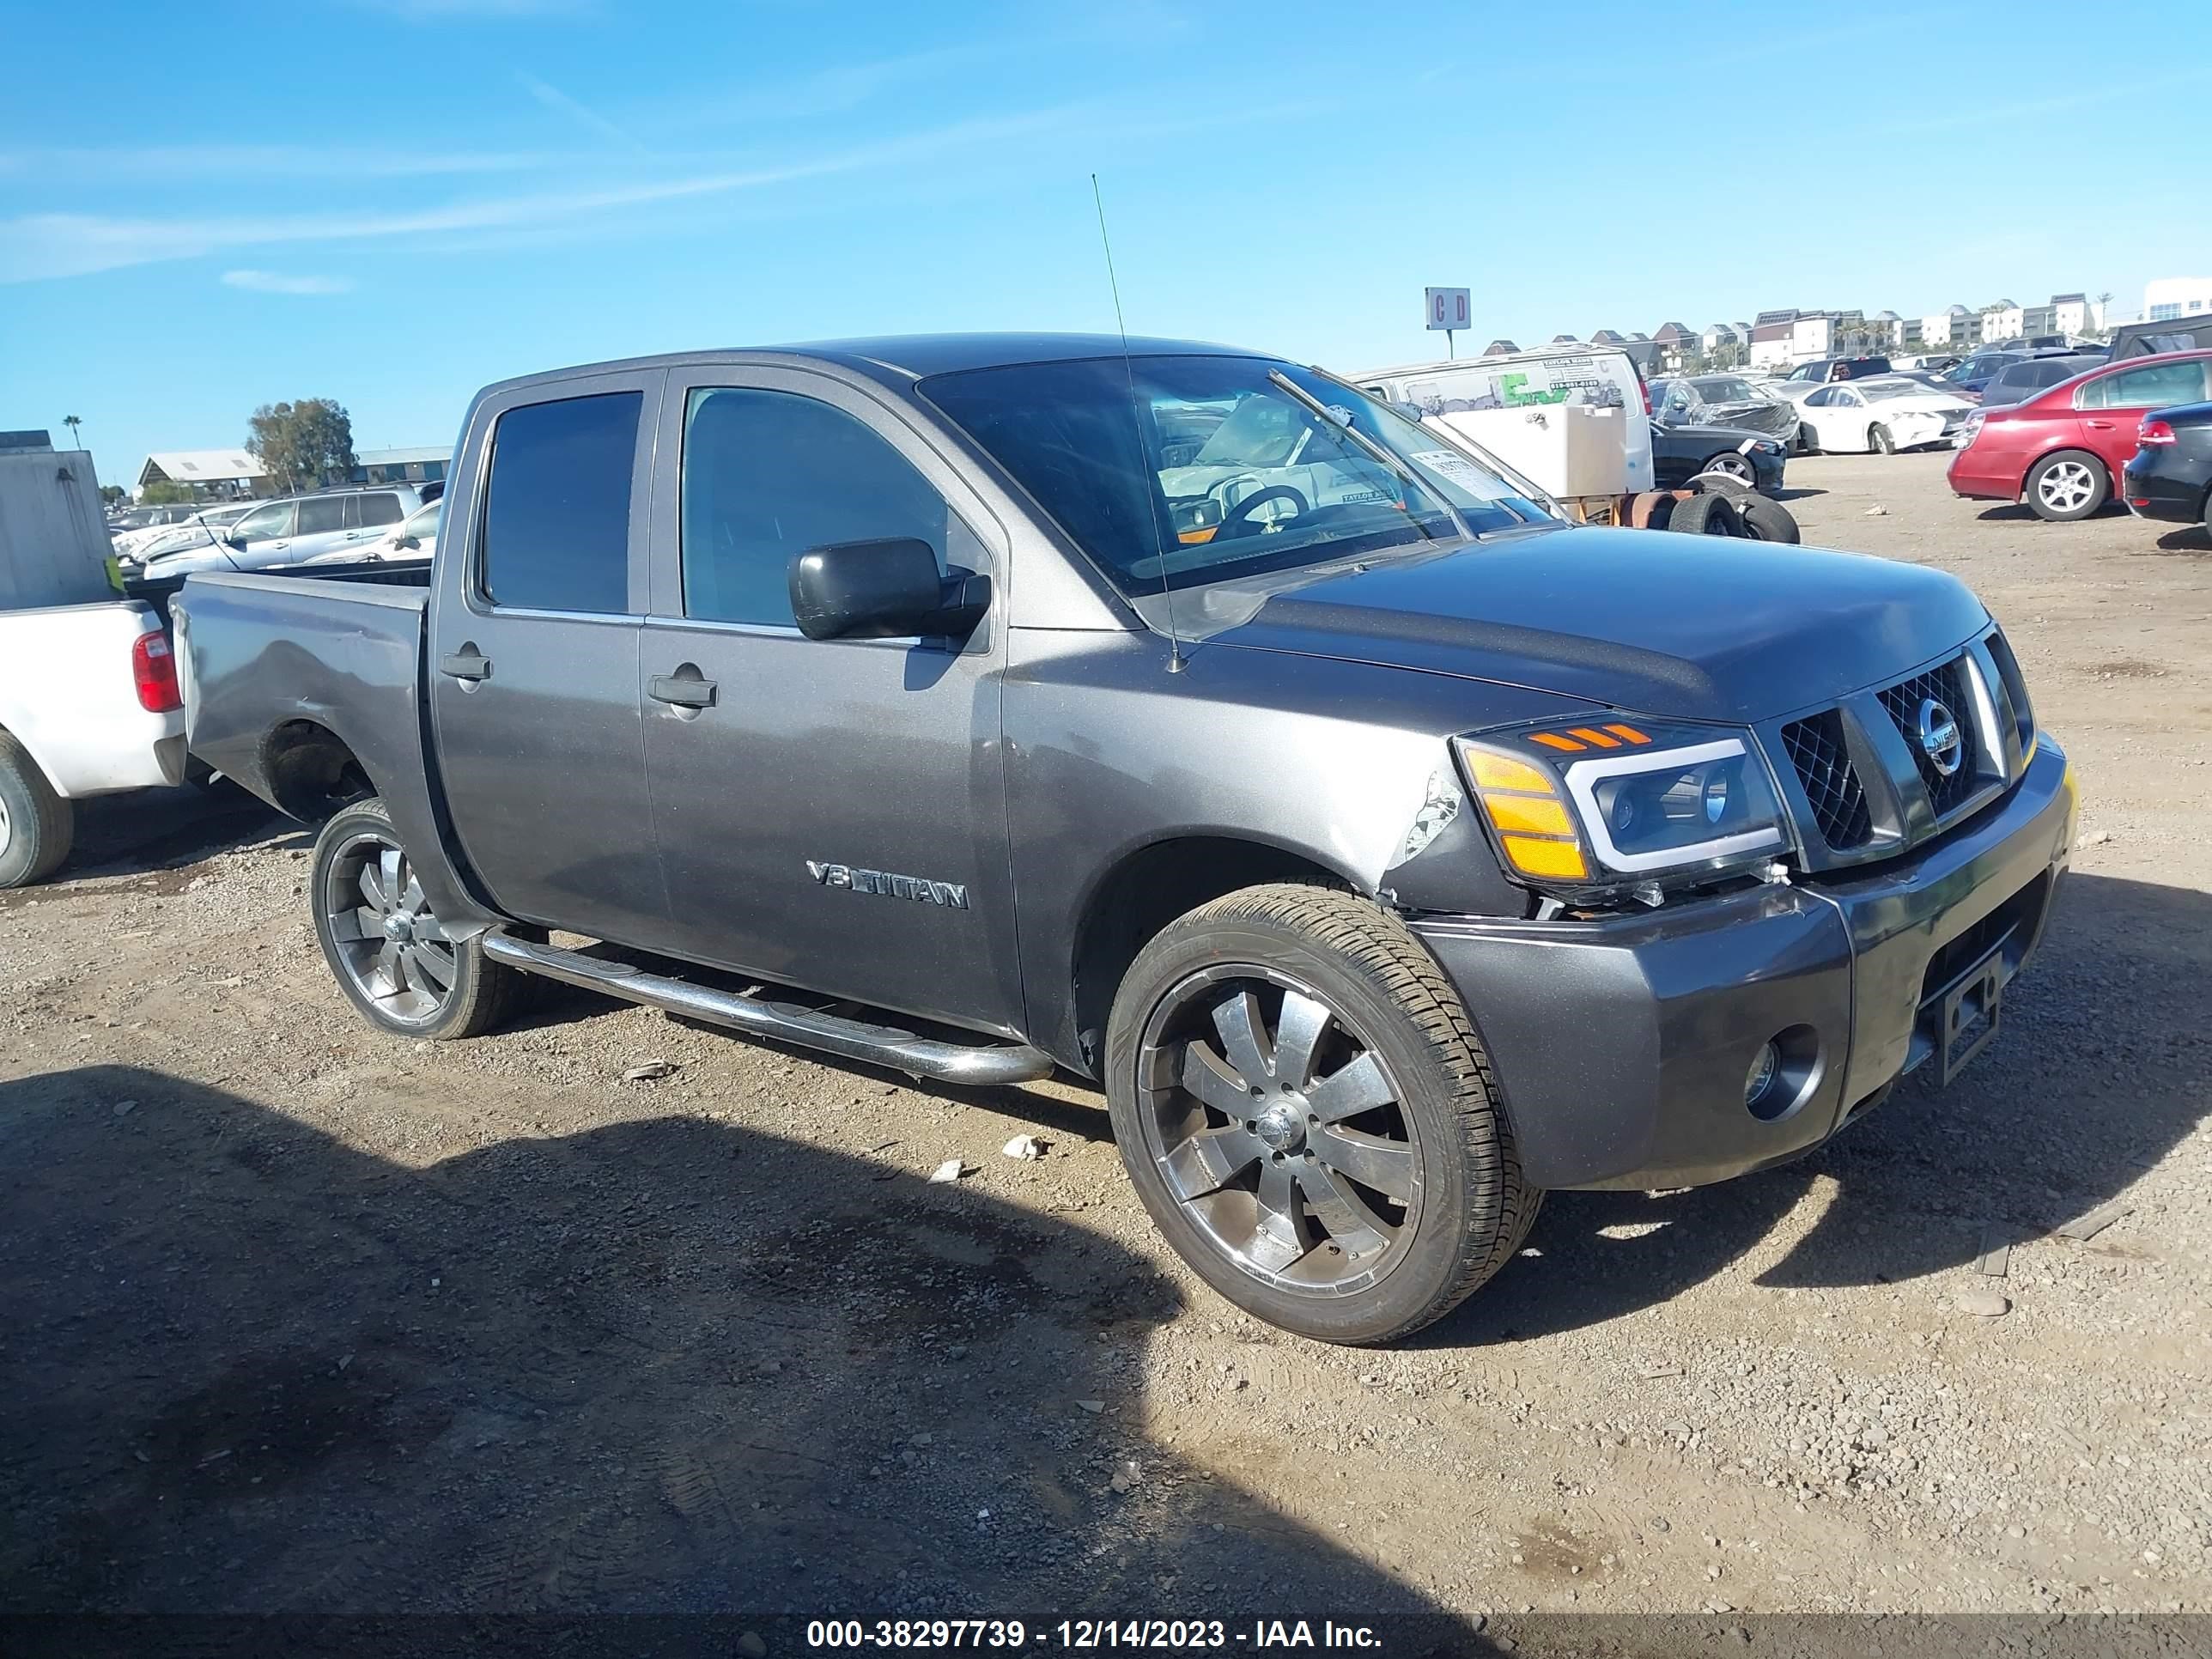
296,529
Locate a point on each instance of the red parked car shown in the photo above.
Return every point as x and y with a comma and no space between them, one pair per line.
2063,449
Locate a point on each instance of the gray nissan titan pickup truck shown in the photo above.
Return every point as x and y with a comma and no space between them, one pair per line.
1389,851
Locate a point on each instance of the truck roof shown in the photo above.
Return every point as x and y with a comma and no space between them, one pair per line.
906,357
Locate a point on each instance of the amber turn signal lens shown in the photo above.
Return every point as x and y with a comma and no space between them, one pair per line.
1560,860
1529,815
1502,772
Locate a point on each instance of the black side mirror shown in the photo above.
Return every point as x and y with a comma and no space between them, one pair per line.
883,590
406,542
232,538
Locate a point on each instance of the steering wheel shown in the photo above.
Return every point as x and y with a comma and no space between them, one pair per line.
1237,520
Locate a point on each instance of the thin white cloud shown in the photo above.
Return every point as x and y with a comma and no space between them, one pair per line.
40,246
554,98
271,281
222,163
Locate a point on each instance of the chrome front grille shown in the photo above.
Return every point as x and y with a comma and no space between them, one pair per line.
1948,687
1866,787
1817,751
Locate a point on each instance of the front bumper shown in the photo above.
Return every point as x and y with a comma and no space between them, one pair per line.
1621,1046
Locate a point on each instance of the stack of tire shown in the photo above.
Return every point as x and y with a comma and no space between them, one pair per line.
1721,508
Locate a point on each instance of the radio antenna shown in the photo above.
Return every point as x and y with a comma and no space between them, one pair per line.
1137,423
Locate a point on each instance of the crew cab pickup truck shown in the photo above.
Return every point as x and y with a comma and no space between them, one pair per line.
88,705
1388,856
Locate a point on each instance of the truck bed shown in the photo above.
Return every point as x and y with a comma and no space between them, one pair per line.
269,662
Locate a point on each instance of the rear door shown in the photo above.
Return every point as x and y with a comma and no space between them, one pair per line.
831,813
534,654
2113,405
321,527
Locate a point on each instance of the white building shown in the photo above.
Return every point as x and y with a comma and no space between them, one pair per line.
216,474
1770,345
1725,334
2076,314
2001,321
2173,297
1813,335
1952,329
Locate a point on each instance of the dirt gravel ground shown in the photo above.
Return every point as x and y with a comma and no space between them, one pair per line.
293,1316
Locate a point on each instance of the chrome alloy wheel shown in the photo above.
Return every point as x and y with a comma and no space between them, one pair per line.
1279,1130
7,830
1734,466
2068,487
388,942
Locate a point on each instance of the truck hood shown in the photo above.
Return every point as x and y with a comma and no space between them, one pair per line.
1695,627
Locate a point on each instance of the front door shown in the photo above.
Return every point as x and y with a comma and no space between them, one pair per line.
831,813
534,660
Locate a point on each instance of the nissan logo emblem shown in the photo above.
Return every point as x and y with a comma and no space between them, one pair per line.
1940,739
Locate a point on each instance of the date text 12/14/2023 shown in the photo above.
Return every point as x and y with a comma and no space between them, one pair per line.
1164,1635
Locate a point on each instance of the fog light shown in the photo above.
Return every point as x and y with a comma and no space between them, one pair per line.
1765,1067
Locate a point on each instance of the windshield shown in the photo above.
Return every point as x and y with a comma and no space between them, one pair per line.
1211,470
1724,389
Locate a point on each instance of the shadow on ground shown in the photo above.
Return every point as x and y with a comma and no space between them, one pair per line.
2104,1066
157,832
665,1366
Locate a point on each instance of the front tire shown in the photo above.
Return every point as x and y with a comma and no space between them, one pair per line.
2066,486
36,824
1307,1114
385,945
1732,467
1879,440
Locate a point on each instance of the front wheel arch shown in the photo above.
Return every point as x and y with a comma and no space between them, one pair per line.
1148,888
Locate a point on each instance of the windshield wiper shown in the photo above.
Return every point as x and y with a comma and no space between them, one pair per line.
1404,473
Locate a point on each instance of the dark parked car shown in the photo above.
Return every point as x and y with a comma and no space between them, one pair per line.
2171,476
1681,452
1821,370
2152,339
1973,378
1386,858
2016,382
1722,400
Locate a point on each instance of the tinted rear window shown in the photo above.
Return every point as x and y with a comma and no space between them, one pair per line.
380,509
322,514
557,513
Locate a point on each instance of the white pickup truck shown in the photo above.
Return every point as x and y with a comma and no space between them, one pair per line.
89,705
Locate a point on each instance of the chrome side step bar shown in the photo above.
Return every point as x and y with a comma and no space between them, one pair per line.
833,1034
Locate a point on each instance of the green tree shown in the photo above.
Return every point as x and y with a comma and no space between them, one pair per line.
72,423
111,494
164,492
299,443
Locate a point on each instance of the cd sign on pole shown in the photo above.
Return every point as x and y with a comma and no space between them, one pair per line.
1447,307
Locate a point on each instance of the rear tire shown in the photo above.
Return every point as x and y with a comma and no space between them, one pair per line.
1711,513
2068,485
1768,521
405,977
1375,1184
36,824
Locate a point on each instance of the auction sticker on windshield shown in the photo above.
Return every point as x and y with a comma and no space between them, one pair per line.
1448,464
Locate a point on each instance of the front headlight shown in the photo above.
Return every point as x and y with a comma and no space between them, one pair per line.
1612,802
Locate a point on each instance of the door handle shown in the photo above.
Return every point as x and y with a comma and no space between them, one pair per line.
466,665
2099,426
685,691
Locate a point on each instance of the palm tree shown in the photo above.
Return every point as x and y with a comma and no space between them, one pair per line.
72,423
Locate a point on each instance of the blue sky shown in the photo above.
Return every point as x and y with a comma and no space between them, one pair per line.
203,208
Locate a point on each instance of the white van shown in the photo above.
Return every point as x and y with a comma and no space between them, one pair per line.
1598,444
